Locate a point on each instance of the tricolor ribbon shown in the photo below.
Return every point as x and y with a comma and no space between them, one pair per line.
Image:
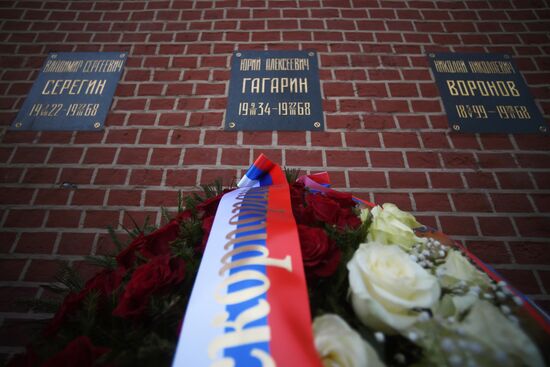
249,305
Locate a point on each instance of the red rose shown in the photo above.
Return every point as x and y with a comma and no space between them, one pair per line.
184,215
343,199
158,242
320,254
154,276
209,206
297,192
304,215
105,282
151,245
206,228
348,219
324,209
80,352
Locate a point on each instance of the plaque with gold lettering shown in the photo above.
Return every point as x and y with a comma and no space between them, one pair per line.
485,93
274,90
73,91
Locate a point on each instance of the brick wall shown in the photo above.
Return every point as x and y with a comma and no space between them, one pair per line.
386,138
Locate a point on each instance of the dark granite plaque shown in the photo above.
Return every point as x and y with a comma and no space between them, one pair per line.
274,90
485,93
73,91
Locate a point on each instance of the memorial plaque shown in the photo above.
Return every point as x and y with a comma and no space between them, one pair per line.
274,90
485,93
73,91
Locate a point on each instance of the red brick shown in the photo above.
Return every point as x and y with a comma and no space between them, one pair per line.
109,176
459,160
408,180
291,138
181,177
490,251
393,105
338,89
428,202
346,158
164,198
132,156
36,243
121,136
367,179
99,155
531,252
42,270
88,197
40,175
101,219
124,197
386,159
63,218
533,226
154,136
400,140
511,202
480,180
533,142
523,280
76,244
402,201
326,139
516,180
186,137
371,90
423,160
343,122
226,176
257,137
454,225
52,197
533,160
30,155
496,160
166,156
206,119
471,202
11,269
24,218
235,157
194,156
16,195
146,177
65,155
496,226
56,137
403,89
304,158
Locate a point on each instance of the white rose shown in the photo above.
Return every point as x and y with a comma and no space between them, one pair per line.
386,285
338,345
486,323
392,226
457,268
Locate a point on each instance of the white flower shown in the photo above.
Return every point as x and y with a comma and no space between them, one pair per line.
457,268
338,345
364,214
490,327
386,285
391,226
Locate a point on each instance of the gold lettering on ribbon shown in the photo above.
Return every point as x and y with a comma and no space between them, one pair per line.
250,234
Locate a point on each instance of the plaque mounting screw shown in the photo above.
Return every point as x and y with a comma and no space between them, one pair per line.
54,56
432,55
231,125
97,125
121,56
456,127
311,54
543,129
506,56
18,124
317,124
238,54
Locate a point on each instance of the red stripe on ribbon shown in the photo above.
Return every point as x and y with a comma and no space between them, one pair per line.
290,319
